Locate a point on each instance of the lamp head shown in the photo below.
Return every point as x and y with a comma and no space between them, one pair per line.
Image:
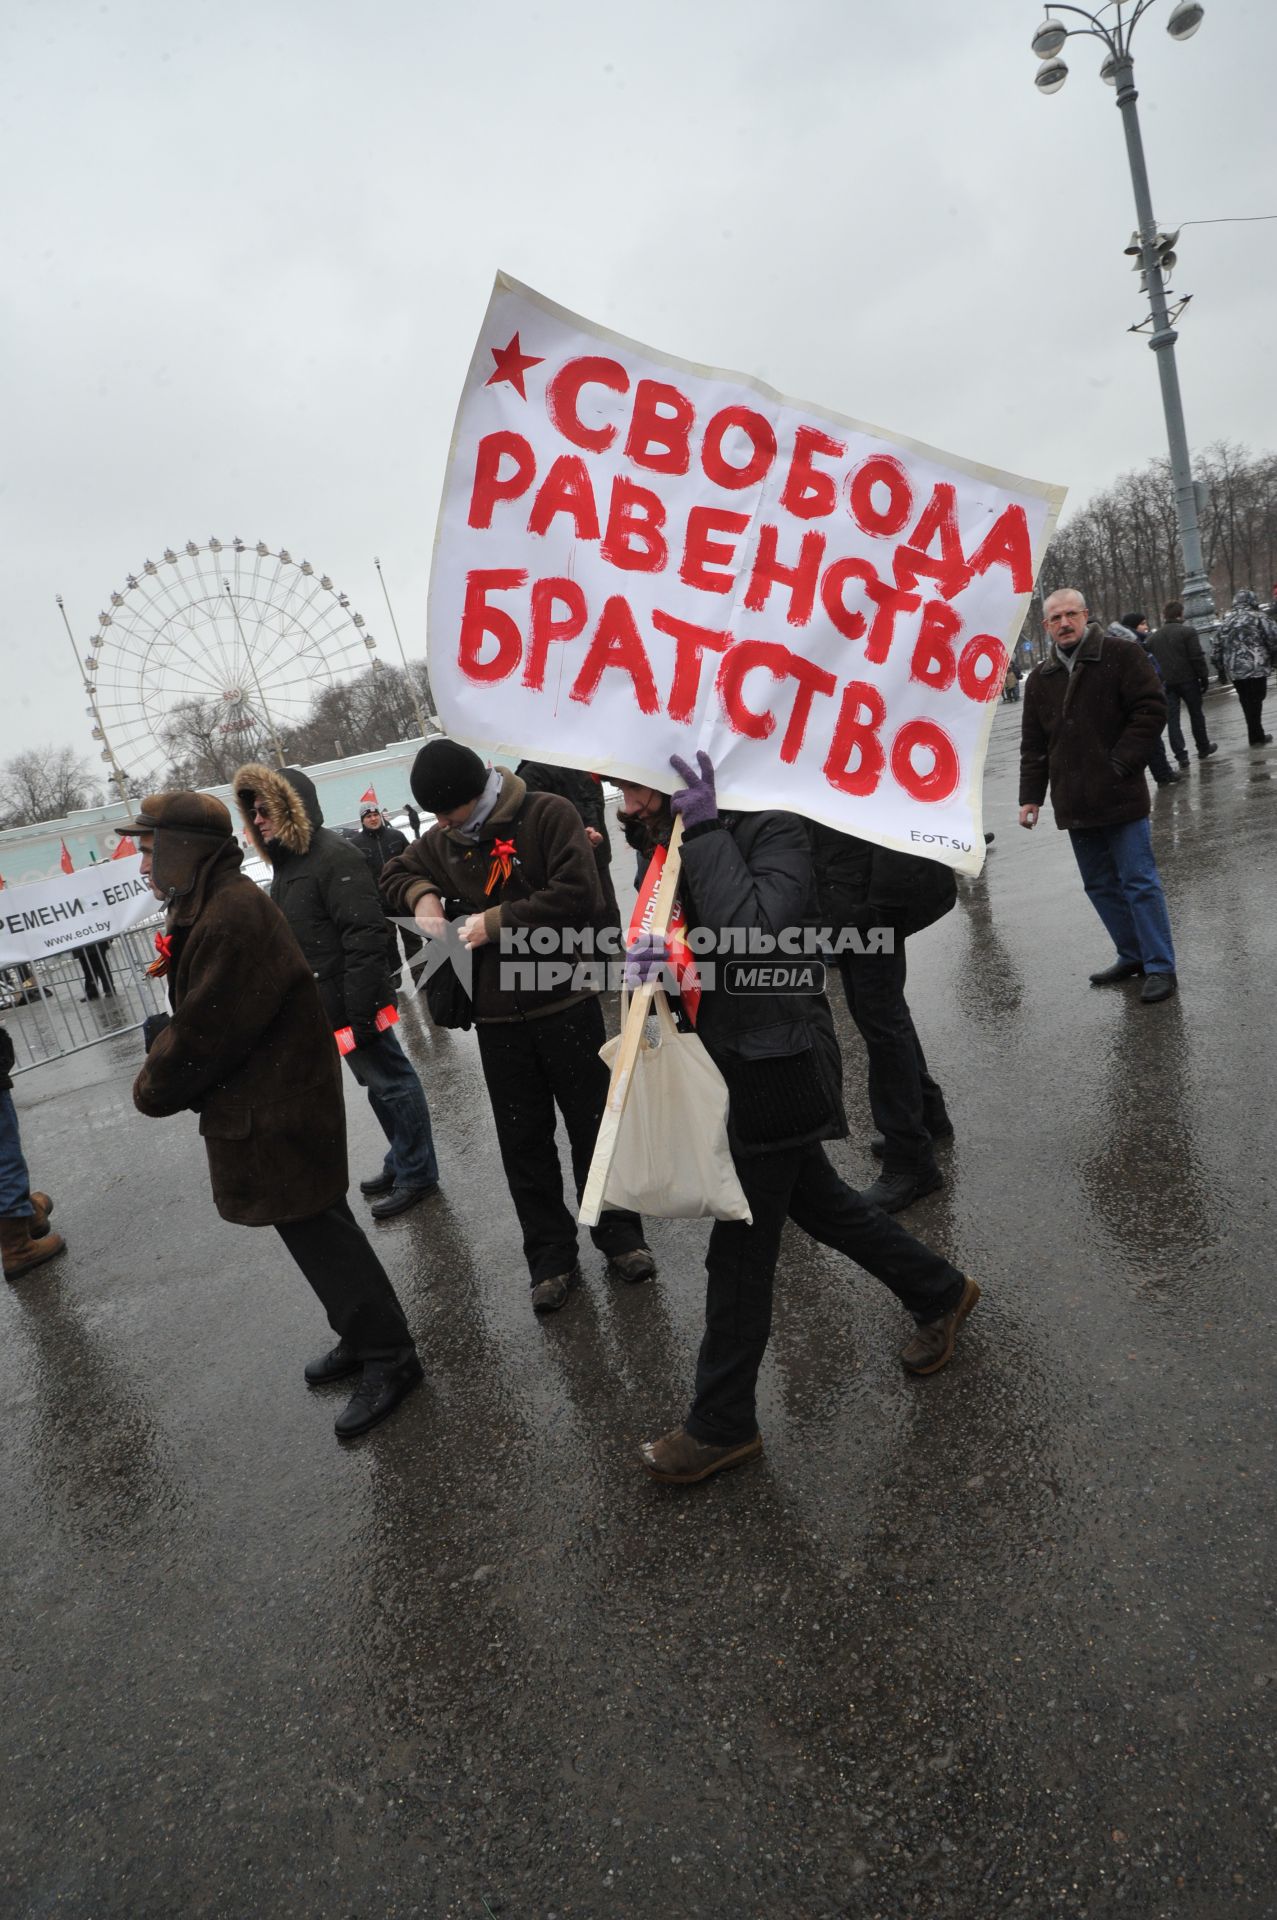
1050,37
1050,76
1185,19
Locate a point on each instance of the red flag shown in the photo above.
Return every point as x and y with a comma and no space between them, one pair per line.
369,799
68,864
124,848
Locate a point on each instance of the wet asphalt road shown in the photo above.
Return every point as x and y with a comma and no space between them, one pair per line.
995,1643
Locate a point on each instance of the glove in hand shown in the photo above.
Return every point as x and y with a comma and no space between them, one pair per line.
697,801
644,960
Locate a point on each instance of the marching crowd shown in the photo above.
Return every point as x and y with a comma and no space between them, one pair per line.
270,992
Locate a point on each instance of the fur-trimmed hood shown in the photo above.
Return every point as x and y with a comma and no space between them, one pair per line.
293,802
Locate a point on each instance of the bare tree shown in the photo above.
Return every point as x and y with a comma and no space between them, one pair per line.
45,783
1121,549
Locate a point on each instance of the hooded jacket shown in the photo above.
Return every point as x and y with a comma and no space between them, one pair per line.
249,1047
1245,643
324,889
1089,732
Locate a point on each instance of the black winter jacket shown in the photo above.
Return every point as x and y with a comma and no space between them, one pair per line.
326,893
377,848
862,885
778,1052
584,791
1177,649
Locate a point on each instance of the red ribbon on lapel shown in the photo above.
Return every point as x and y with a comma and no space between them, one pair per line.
502,863
164,949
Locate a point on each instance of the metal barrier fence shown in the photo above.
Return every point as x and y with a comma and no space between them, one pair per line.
78,999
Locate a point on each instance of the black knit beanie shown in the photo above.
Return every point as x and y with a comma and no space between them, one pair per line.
445,775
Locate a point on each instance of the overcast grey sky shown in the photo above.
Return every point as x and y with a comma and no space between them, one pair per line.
248,248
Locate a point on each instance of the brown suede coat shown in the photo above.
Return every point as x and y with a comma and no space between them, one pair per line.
1090,732
251,1051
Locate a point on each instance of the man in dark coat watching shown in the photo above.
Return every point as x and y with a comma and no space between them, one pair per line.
519,863
250,1049
883,896
1092,712
379,842
778,1053
1177,649
330,900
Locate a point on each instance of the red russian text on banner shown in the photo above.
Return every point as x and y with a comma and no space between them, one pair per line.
680,954
638,556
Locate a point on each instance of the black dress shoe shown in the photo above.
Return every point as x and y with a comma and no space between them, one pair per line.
380,1183
894,1191
333,1365
384,1385
1206,752
399,1199
1120,970
1158,986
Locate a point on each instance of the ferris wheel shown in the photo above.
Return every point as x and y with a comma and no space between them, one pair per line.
243,636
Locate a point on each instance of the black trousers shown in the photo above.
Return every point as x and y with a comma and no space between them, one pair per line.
1158,764
353,1287
1251,695
96,969
905,1101
797,1184
1191,695
532,1067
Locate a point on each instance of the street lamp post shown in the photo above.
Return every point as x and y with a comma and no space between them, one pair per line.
95,712
1118,69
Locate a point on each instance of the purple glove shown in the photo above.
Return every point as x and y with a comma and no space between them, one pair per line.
697,801
644,960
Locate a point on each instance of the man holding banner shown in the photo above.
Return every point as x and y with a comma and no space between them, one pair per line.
637,555
520,865
751,875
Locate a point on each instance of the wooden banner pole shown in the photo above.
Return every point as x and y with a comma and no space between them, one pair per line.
631,1039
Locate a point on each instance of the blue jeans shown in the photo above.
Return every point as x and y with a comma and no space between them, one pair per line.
15,1181
396,1097
1121,880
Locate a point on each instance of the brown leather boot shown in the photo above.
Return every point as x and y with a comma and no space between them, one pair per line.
42,1207
21,1252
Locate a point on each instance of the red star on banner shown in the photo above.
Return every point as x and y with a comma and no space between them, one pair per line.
511,365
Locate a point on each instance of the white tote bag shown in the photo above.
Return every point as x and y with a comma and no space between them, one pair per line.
672,1159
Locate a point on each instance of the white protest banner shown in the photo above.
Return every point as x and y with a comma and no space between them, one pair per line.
73,910
637,556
